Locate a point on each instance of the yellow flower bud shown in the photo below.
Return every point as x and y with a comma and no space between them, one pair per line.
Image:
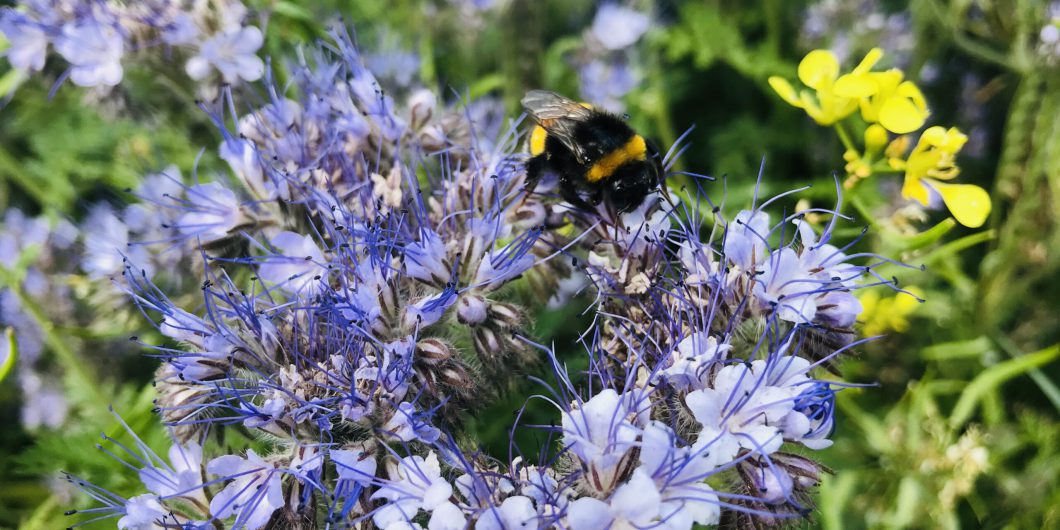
875,138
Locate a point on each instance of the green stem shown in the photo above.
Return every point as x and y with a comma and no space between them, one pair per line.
844,137
1044,383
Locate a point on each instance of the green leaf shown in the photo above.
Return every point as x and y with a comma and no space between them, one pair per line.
485,85
994,377
957,350
836,494
293,11
908,499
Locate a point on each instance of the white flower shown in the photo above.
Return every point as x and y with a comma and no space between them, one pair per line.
253,495
106,240
183,326
425,259
642,230
782,284
242,157
679,474
353,465
691,360
407,424
634,505
748,406
617,27
298,265
214,212
736,413
184,476
415,483
233,53
94,51
181,31
447,516
143,512
515,513
602,431
745,239
428,310
27,41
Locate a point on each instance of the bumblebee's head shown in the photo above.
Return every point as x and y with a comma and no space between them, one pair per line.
632,182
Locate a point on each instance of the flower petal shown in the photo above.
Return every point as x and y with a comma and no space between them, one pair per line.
784,89
854,86
869,61
969,204
818,69
588,513
899,115
914,189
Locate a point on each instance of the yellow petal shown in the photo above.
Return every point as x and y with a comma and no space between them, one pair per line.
914,189
815,111
869,61
899,115
932,137
887,82
908,89
818,69
854,86
784,89
969,204
919,163
953,141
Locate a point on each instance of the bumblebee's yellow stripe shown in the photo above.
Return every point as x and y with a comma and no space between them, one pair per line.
537,140
603,168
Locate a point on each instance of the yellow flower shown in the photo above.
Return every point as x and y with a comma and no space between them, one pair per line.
897,105
933,161
880,315
833,97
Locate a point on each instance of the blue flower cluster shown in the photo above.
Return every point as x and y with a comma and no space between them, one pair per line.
366,276
94,37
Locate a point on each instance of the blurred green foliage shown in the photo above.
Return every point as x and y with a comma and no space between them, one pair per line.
962,429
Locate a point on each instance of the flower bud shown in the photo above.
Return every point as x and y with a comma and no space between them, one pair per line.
455,376
471,310
488,343
421,107
508,315
875,138
432,351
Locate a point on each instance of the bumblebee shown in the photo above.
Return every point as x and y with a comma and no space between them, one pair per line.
596,155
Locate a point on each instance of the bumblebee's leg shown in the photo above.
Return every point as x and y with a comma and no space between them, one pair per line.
568,190
535,169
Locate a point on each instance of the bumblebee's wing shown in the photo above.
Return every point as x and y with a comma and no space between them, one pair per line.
558,116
